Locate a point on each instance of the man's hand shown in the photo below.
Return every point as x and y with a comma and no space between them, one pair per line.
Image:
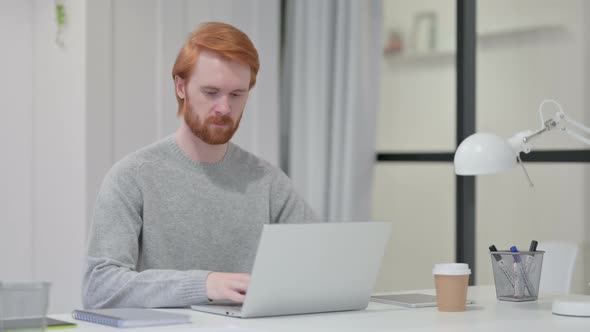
227,286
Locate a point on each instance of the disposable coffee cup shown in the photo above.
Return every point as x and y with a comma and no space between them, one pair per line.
451,281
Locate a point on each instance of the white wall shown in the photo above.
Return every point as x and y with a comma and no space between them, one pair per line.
59,135
99,96
43,175
16,140
67,114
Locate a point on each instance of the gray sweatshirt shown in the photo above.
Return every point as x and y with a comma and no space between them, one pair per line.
162,222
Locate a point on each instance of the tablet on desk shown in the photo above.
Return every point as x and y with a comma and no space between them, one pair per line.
412,300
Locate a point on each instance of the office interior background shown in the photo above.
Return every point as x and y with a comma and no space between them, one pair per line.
341,82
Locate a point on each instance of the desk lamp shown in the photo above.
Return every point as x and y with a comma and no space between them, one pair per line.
484,153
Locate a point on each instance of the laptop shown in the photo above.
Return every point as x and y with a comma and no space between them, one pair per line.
311,268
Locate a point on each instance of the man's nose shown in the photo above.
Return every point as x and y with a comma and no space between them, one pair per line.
223,106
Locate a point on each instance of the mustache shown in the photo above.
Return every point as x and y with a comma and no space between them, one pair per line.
220,120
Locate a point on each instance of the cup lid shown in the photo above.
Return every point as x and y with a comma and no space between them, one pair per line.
453,269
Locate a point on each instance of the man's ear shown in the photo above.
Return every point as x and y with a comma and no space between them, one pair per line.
180,85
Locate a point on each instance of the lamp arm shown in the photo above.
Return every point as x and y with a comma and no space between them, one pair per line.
521,141
567,125
564,122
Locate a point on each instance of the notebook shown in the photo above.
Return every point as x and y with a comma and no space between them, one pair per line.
130,317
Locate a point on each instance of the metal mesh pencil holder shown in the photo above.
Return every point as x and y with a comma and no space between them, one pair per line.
517,274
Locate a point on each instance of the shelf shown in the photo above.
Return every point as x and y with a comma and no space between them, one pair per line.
498,35
420,57
522,31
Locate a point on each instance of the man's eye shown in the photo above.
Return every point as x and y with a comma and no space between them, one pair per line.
235,94
210,93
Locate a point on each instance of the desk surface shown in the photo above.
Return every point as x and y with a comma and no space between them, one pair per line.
487,314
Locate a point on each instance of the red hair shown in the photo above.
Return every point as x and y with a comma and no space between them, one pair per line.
221,38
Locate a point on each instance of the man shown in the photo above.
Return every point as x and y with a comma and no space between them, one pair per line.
178,222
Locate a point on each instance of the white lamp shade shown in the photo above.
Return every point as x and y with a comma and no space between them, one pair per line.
484,153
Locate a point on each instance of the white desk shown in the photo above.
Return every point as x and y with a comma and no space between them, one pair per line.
487,314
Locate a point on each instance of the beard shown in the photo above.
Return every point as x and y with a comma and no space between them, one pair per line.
207,130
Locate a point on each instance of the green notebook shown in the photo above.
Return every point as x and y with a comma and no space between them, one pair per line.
22,324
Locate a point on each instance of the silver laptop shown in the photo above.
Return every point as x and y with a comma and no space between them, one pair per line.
309,268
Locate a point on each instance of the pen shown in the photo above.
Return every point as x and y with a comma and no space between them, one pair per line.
518,283
531,256
520,276
500,263
533,246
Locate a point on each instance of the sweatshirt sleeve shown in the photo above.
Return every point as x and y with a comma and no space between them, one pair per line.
110,277
286,205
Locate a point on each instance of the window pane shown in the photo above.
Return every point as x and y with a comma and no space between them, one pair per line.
419,198
509,212
418,77
528,51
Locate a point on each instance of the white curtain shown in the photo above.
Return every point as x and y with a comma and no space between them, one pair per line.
332,55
